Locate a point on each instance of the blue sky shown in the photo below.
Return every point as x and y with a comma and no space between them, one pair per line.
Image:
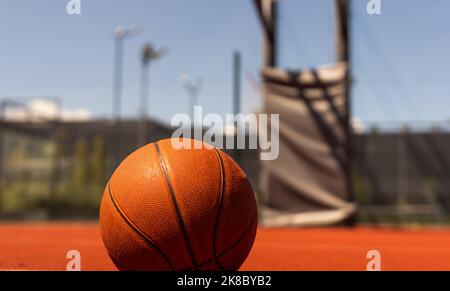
400,57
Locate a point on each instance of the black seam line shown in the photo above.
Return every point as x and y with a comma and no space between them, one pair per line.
136,230
224,252
219,210
176,206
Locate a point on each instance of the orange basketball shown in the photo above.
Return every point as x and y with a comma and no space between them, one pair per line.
178,209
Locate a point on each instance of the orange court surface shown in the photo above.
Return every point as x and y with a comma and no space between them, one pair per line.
43,246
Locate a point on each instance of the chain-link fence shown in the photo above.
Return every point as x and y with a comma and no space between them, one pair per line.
58,170
402,173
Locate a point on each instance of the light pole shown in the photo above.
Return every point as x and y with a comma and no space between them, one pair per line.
193,89
149,53
120,33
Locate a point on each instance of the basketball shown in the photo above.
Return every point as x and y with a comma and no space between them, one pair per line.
178,209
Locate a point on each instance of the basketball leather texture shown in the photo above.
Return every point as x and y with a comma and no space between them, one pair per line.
178,209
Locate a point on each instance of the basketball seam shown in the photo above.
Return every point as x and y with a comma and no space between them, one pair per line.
221,194
136,230
224,252
176,206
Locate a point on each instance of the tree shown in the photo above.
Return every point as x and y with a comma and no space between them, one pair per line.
98,167
81,170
